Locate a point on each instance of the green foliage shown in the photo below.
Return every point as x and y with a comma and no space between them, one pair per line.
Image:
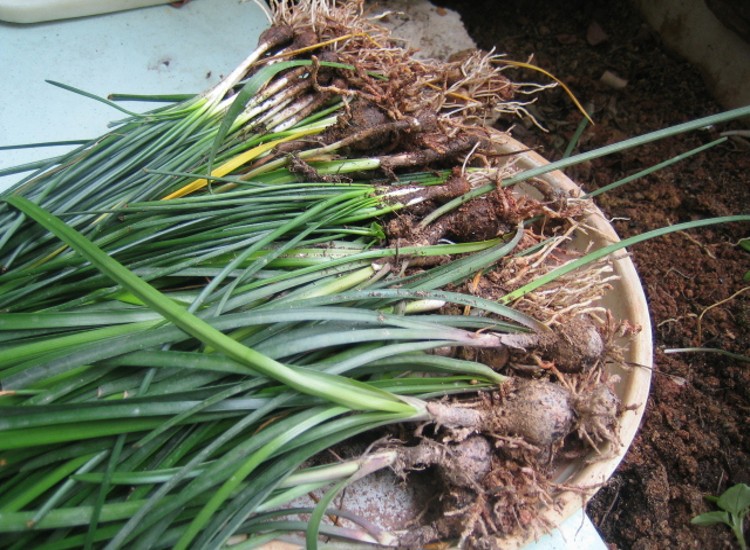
735,506
745,243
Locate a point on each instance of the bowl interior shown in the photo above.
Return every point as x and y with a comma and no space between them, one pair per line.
392,504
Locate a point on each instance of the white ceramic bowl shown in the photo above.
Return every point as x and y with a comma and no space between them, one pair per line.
391,504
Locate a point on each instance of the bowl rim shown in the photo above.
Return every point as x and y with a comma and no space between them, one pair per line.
635,381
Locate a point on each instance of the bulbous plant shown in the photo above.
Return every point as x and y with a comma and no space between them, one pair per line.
325,252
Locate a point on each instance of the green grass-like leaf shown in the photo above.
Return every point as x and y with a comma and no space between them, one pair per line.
340,390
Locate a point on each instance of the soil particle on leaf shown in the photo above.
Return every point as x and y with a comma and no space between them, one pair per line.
480,219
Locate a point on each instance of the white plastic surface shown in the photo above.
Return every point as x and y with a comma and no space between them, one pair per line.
576,533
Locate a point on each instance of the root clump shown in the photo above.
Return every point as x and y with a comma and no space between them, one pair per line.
494,457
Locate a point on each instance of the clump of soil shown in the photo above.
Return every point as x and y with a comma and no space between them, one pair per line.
576,345
481,219
692,441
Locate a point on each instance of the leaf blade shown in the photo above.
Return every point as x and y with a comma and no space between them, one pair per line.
335,389
735,500
711,518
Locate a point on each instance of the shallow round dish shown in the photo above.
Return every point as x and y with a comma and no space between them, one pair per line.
393,505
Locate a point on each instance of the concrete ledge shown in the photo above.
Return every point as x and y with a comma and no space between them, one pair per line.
692,30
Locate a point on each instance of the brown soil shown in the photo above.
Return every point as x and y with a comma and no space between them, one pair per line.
692,441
